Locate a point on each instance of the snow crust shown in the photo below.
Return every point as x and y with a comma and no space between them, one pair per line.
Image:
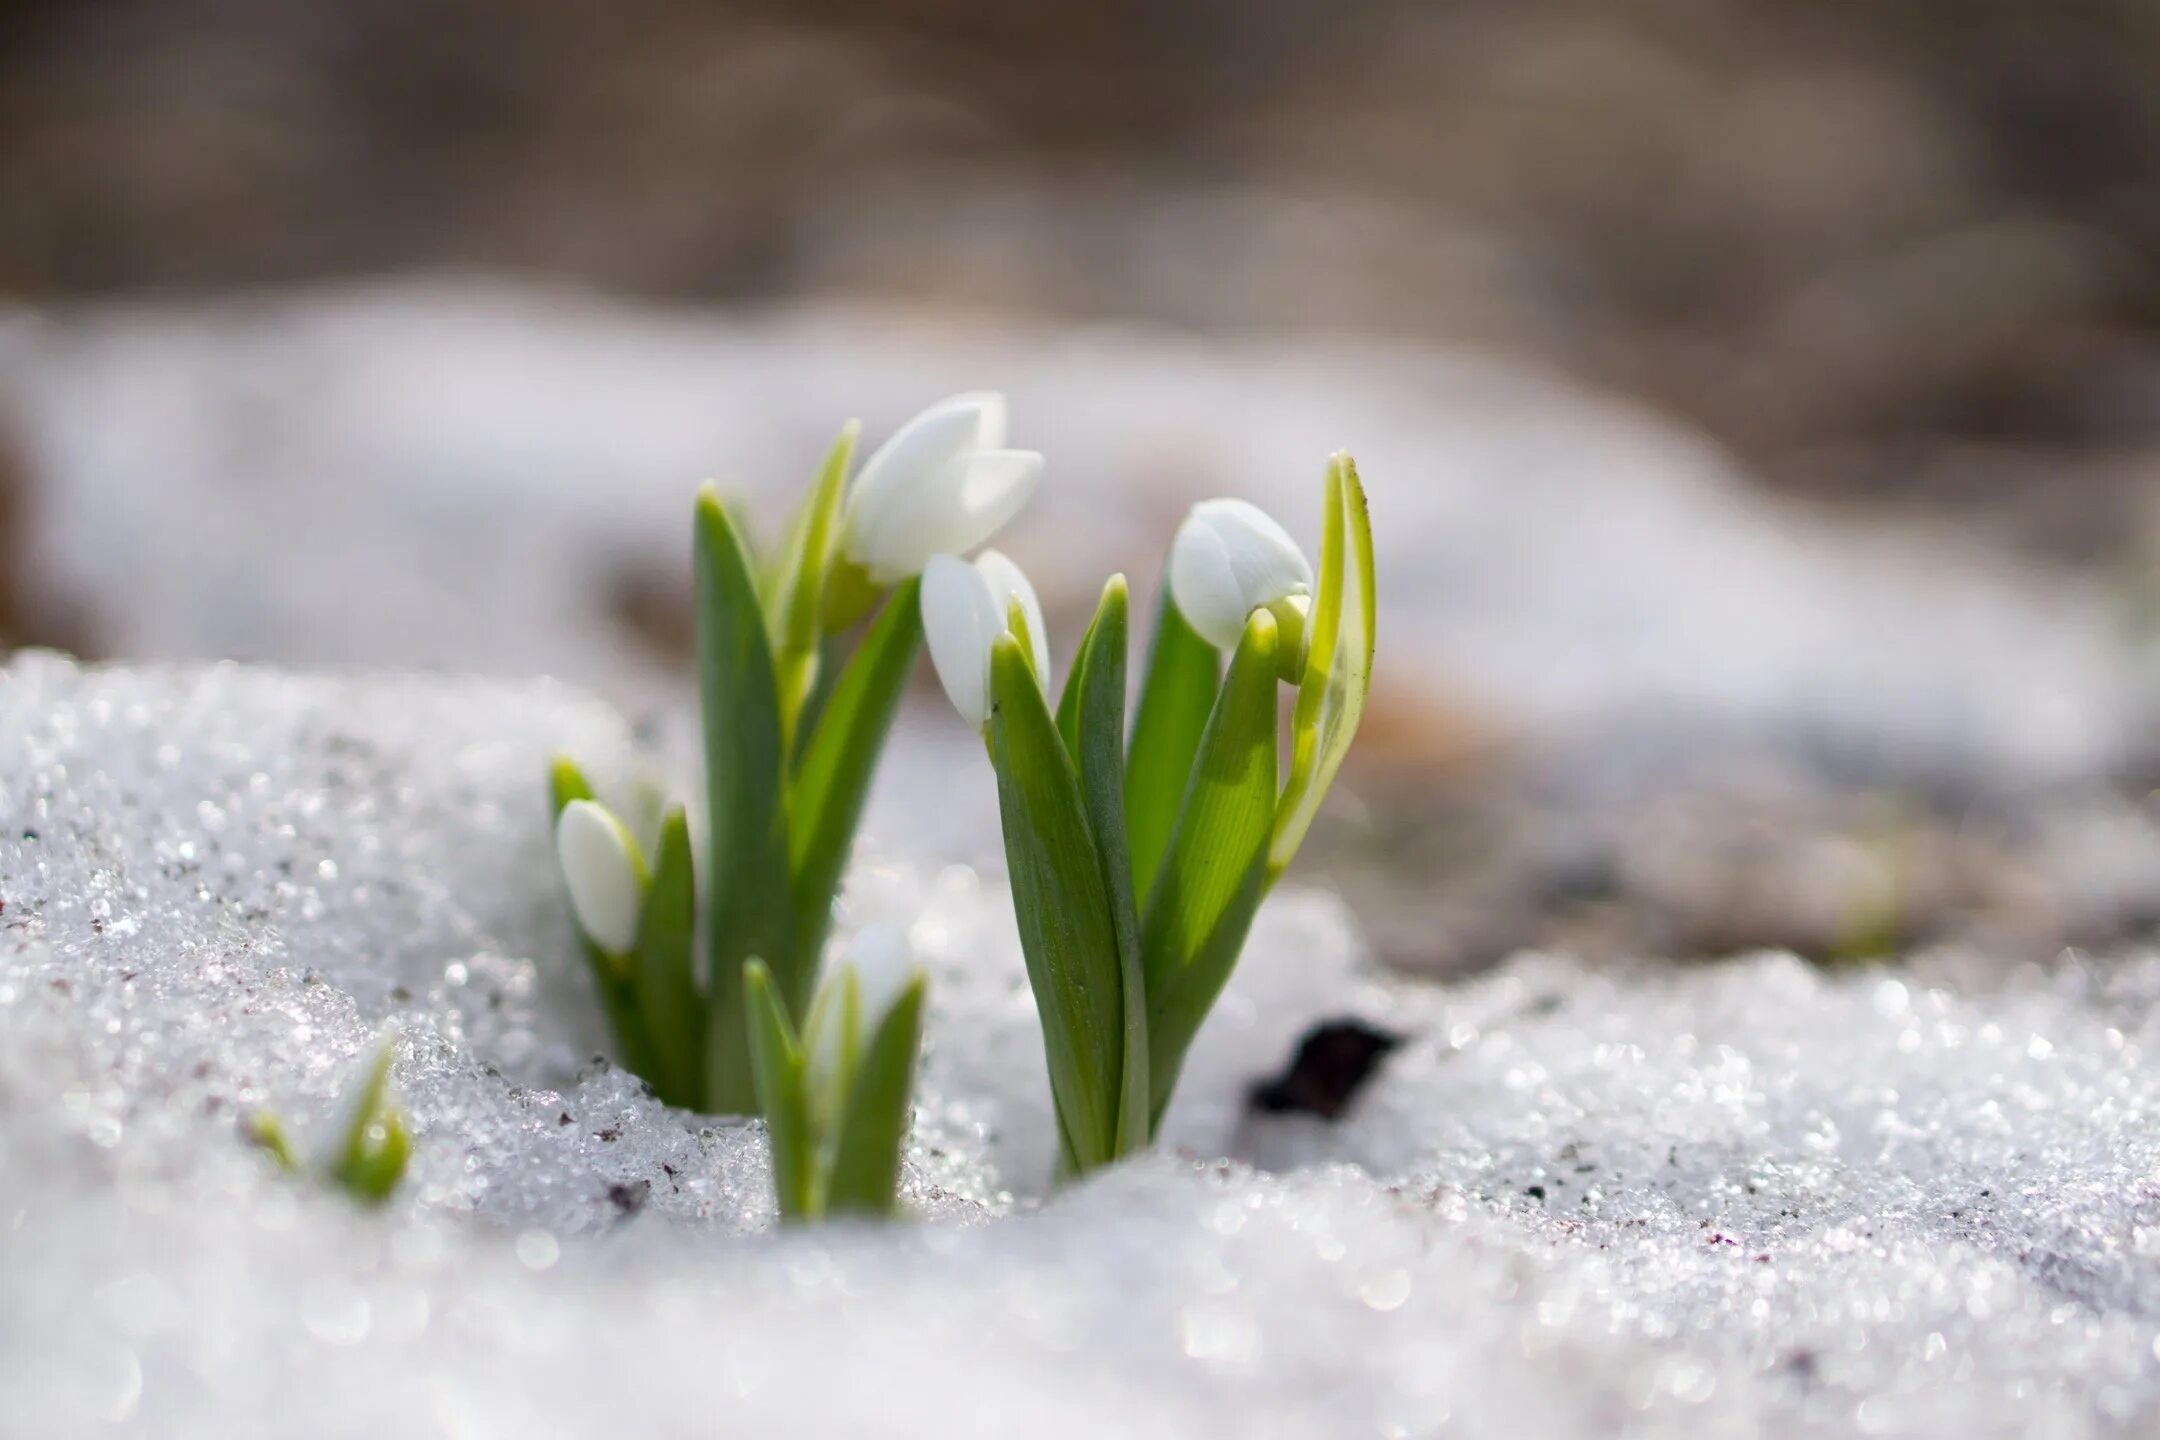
1752,1198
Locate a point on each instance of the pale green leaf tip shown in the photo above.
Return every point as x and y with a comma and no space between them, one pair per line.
566,781
377,1144
1031,644
1006,649
267,1131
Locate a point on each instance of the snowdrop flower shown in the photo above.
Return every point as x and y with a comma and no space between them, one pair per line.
878,965
965,608
944,484
604,872
1230,558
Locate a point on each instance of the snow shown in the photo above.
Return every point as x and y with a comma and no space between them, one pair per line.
469,476
1752,1197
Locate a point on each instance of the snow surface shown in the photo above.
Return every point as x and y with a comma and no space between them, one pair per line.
466,475
1749,1198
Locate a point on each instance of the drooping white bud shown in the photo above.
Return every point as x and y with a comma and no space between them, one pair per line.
943,484
877,966
965,608
604,873
1230,558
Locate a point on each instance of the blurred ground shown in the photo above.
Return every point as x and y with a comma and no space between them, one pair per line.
1626,702
1899,263
1907,251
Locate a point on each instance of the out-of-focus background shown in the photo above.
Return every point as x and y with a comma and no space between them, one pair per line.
1761,402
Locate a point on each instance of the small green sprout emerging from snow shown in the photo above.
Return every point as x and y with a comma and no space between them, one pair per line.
373,1145
1139,862
837,1098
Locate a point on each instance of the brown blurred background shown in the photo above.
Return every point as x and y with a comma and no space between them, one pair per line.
1906,252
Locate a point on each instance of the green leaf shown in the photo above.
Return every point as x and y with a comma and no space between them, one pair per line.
662,970
1066,926
825,802
1176,693
1338,663
266,1130
1214,875
777,1063
1068,708
794,600
865,1174
1095,696
747,898
612,981
371,1160
832,654
566,785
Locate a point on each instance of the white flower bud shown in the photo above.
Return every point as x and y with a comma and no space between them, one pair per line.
943,484
965,608
605,874
1230,558
879,966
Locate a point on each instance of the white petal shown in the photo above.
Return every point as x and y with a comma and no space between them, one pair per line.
960,622
600,868
888,484
950,510
1008,583
1230,559
879,965
1269,565
1205,586
884,966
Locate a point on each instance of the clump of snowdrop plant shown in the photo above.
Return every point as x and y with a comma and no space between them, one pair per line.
802,653
1138,862
367,1158
837,1095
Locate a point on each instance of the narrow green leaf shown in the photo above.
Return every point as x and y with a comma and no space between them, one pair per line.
866,1164
1066,926
266,1130
662,970
377,1175
832,655
1213,876
612,982
776,1060
566,785
825,802
1176,693
1068,1164
1098,748
747,898
1338,662
371,1159
795,601
1068,709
